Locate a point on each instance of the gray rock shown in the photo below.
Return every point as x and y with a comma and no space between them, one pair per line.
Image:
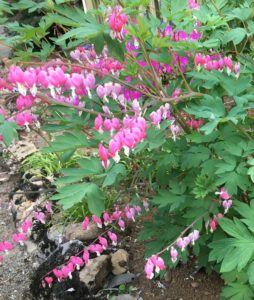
119,261
30,247
95,272
76,232
127,297
55,234
123,279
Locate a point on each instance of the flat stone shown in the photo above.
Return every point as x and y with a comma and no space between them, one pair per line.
119,261
55,233
127,297
30,246
76,232
95,272
195,284
123,279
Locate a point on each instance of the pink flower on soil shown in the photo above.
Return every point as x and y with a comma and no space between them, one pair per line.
173,254
149,269
96,248
85,223
26,225
5,246
40,216
59,274
158,263
86,256
49,281
68,270
121,224
113,238
19,238
106,218
77,261
103,242
97,221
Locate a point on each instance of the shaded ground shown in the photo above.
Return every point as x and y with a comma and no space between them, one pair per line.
179,284
16,269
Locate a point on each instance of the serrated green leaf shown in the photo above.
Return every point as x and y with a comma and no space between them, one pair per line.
67,142
237,291
114,174
9,131
76,193
235,35
251,273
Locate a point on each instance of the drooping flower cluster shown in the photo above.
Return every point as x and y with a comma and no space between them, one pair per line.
24,231
88,57
226,203
216,62
214,222
128,135
117,20
180,35
82,258
224,199
163,113
155,263
193,5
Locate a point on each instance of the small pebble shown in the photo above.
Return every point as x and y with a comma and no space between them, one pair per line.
194,284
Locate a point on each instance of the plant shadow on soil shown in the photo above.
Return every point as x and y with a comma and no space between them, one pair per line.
181,283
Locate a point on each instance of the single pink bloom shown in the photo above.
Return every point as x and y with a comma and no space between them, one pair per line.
26,225
49,281
113,238
227,204
103,242
173,254
19,238
106,218
97,221
59,274
96,248
40,216
121,224
5,246
77,261
149,269
85,223
86,256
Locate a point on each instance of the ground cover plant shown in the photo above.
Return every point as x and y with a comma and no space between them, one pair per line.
162,107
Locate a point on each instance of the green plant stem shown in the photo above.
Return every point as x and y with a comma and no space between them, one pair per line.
222,17
153,73
188,227
243,131
160,90
53,101
163,99
181,73
100,72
